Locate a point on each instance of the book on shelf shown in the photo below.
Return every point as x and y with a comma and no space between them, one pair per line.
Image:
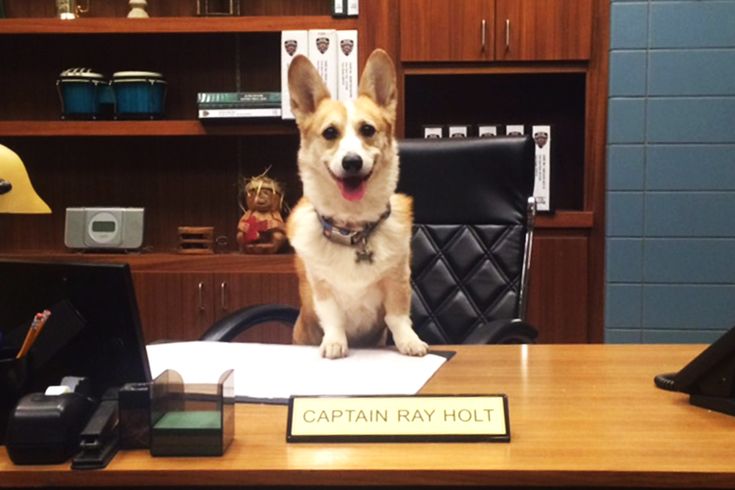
488,130
323,55
542,176
333,53
254,99
250,112
345,8
339,8
542,153
347,65
238,105
292,43
515,129
353,8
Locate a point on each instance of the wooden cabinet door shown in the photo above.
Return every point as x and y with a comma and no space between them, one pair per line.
527,30
236,290
559,288
439,30
183,305
174,305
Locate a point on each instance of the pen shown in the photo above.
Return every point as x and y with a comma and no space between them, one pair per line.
36,326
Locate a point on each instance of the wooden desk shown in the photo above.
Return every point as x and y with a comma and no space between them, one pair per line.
581,415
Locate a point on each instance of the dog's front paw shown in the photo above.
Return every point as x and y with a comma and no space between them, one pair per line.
412,346
333,348
405,337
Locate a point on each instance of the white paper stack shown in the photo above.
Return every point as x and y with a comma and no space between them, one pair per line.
269,372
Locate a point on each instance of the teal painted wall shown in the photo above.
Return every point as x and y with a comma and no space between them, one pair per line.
670,262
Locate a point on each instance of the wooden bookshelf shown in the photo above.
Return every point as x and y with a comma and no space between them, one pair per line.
181,127
172,25
185,171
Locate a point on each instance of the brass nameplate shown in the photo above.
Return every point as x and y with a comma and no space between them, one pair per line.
425,418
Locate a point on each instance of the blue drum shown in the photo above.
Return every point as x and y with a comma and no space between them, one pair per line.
84,94
139,94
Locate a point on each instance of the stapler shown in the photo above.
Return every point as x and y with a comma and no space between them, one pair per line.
100,438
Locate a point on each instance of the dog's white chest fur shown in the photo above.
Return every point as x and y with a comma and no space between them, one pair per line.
356,285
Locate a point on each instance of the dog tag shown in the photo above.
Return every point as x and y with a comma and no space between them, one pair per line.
363,254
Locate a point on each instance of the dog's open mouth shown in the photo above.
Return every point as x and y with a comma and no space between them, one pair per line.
353,188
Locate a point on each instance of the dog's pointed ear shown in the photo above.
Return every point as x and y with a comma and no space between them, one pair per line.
378,80
306,87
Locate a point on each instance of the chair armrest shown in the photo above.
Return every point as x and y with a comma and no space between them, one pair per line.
227,328
503,332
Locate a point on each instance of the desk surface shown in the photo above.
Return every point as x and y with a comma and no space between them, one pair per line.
582,415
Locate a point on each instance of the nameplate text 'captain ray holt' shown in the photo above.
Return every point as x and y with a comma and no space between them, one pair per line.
399,418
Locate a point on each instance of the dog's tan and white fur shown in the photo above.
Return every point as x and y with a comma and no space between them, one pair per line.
348,164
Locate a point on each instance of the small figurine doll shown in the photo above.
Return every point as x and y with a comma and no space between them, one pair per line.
261,229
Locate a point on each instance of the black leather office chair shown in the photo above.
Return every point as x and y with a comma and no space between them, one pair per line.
473,230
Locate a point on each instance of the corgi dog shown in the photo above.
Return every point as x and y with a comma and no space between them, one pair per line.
350,230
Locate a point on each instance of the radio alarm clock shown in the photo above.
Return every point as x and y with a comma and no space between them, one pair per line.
104,228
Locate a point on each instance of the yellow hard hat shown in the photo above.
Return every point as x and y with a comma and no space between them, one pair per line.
16,191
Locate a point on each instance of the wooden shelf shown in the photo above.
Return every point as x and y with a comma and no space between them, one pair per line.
173,262
517,68
172,25
228,262
184,127
566,219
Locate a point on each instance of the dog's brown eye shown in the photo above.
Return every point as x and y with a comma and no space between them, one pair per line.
367,130
330,133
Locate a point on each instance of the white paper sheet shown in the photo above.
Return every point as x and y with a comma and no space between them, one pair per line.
276,372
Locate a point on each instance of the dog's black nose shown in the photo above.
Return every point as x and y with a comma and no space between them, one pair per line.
352,162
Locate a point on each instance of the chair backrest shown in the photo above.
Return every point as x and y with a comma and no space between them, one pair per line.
471,209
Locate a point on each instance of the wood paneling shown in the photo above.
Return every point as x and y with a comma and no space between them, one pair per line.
512,30
437,30
559,288
174,306
378,27
182,305
595,176
543,29
169,127
171,25
173,8
253,289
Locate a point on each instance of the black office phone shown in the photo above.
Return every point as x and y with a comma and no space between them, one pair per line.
709,378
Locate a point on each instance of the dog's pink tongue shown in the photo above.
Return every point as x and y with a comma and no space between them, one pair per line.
352,192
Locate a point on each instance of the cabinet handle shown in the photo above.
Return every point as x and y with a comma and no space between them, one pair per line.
507,34
200,288
223,295
483,27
